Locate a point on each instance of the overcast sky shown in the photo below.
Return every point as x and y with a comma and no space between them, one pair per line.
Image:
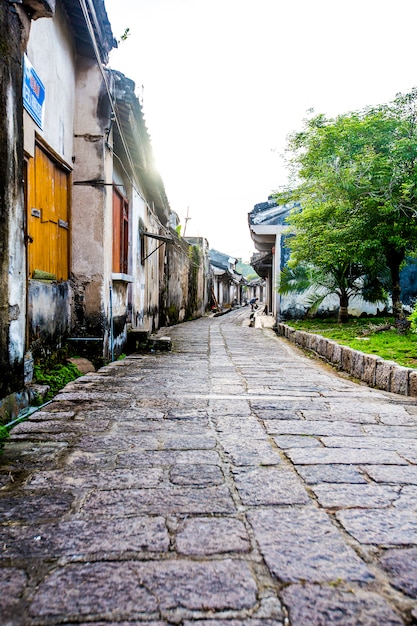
225,81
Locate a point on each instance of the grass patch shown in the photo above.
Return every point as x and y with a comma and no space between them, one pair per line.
363,334
4,434
56,377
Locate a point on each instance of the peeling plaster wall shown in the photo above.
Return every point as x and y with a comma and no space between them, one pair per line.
91,234
14,28
51,51
203,278
17,293
49,316
182,296
177,288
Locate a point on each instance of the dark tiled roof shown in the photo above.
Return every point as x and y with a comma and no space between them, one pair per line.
130,113
219,259
270,212
101,27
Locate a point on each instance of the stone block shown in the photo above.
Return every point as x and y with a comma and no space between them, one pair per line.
290,334
322,346
201,536
399,380
300,338
336,358
412,383
313,342
136,339
347,359
329,350
161,343
383,527
83,365
383,374
311,604
369,368
401,566
281,329
358,364
300,543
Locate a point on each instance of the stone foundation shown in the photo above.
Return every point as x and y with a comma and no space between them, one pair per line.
368,368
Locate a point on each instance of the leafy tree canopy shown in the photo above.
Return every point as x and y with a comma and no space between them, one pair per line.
356,178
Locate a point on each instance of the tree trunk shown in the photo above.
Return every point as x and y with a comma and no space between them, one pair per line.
343,316
394,260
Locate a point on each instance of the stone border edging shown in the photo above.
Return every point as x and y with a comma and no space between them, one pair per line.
370,369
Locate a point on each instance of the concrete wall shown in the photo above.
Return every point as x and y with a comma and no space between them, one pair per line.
91,224
370,369
202,276
174,301
185,286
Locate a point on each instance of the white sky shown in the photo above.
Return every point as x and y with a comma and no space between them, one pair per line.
225,81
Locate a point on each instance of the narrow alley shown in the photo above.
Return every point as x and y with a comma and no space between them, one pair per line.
230,481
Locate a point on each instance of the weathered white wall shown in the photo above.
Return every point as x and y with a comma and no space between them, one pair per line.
138,294
17,260
294,306
51,51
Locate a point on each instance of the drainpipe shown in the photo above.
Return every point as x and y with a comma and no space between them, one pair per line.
111,323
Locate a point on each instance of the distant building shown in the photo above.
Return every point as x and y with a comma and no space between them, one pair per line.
267,225
227,282
268,231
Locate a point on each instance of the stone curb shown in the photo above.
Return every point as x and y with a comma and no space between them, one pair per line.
370,369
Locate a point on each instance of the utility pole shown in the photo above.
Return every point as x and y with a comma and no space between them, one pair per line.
186,220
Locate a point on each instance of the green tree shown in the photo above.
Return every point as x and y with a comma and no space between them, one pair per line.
356,176
324,261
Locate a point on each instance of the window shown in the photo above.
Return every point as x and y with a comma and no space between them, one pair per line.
120,233
142,249
48,200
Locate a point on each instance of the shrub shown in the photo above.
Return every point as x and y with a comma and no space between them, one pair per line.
4,434
413,318
56,377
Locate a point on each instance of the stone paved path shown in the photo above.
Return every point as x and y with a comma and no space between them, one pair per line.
232,481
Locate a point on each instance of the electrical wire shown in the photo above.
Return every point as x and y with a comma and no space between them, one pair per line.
139,191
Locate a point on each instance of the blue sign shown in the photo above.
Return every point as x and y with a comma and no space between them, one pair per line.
33,92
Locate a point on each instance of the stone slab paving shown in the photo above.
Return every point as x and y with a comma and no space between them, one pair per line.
231,481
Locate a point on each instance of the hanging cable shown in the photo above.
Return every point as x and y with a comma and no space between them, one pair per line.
92,34
90,28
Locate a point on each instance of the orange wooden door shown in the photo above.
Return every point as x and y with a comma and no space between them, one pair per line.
48,220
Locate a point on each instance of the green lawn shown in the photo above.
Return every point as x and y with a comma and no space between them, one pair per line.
360,334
